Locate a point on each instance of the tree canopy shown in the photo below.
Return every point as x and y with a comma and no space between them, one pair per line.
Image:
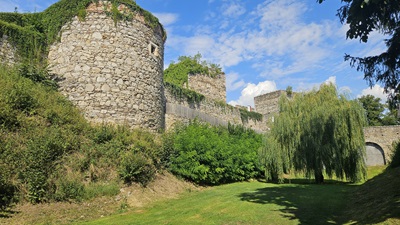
379,114
364,17
373,108
316,132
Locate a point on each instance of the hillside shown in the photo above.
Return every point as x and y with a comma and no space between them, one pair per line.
49,152
377,200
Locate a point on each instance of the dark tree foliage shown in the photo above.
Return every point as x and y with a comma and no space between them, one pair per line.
373,108
364,17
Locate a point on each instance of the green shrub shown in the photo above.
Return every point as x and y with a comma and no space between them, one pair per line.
37,73
8,117
68,188
135,167
215,155
41,157
103,134
7,191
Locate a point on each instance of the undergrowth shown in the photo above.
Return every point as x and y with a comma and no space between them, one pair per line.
49,152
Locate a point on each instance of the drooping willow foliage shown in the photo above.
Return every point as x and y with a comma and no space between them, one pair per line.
315,133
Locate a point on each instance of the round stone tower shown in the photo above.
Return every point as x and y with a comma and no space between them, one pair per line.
112,70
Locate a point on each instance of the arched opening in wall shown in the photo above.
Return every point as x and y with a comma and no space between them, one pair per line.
375,156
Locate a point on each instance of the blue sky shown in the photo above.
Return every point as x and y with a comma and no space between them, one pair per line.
262,46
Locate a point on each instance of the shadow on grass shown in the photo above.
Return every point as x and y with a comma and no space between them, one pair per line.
377,200
309,203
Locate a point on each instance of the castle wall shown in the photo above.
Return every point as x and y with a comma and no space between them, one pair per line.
267,104
7,51
384,136
113,73
208,110
210,87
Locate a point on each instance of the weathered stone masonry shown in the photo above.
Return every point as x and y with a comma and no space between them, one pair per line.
7,51
267,104
114,73
211,87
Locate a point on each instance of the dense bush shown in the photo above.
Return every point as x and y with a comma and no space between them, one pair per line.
135,167
215,155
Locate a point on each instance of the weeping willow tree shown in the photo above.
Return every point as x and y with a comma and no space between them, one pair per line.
316,133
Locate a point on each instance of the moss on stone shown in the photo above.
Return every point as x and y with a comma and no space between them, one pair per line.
33,33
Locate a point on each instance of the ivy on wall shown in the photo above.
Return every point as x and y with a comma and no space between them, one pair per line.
179,92
178,73
246,115
32,33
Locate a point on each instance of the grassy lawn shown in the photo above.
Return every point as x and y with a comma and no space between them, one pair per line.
376,201
246,203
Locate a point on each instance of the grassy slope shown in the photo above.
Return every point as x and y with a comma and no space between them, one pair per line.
376,201
245,203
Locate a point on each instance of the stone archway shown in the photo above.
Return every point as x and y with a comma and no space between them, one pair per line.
375,156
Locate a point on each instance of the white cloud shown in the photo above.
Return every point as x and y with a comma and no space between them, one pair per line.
331,80
232,82
273,38
376,91
233,10
251,90
282,13
167,19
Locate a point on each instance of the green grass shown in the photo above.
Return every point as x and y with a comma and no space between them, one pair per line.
245,203
377,201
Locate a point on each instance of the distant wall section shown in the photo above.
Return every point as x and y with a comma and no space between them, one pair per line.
210,87
114,73
213,112
382,136
267,104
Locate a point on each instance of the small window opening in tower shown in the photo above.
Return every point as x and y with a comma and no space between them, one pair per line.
153,48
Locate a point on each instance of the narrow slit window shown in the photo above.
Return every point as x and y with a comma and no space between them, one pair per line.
153,49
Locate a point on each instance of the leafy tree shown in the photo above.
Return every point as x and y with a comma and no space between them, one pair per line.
364,17
314,133
373,108
393,117
177,73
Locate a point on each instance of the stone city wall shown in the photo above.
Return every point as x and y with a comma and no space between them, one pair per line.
7,51
208,110
384,136
267,104
114,73
210,87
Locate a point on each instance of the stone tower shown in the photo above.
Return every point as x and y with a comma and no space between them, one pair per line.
112,71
